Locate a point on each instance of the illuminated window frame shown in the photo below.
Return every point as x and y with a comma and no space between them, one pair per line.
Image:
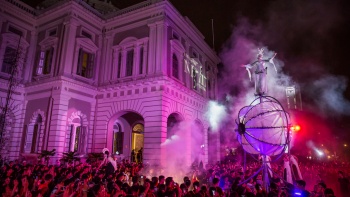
86,46
120,61
46,57
12,41
178,50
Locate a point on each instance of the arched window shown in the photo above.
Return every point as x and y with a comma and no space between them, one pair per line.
129,62
175,67
33,136
78,140
118,139
171,123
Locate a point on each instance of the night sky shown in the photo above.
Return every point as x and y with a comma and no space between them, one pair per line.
310,31
311,38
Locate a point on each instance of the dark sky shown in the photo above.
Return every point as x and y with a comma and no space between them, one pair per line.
311,37
312,31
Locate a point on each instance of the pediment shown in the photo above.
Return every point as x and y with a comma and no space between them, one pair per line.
48,41
14,38
86,42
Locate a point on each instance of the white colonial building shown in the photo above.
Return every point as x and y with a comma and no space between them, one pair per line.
93,76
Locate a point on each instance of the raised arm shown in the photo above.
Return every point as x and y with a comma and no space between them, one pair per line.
271,61
247,67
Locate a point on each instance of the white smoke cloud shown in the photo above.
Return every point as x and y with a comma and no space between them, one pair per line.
215,114
328,93
182,149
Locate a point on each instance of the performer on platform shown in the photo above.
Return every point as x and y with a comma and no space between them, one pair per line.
260,72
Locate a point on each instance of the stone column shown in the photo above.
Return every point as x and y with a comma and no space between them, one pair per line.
145,55
136,66
155,131
30,63
161,48
58,125
106,65
115,64
68,46
152,48
123,63
91,129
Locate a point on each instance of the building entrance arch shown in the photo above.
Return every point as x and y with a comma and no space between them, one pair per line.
125,135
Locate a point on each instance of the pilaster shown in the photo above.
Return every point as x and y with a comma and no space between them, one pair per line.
161,47
30,64
152,48
136,66
68,46
155,133
106,65
115,64
123,62
58,124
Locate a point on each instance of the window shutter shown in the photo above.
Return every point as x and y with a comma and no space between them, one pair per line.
90,66
119,64
41,63
34,145
129,62
25,130
141,61
48,61
82,140
71,141
28,139
9,59
80,59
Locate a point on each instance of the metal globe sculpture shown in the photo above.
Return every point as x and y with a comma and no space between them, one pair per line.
263,127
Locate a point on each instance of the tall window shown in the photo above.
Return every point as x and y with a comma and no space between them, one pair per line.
137,141
78,138
85,64
33,136
129,62
118,139
141,60
9,60
194,79
45,61
119,64
175,67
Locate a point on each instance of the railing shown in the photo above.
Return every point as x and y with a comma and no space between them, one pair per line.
89,8
130,9
50,3
22,6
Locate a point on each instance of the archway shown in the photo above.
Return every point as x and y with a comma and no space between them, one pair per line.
126,135
172,124
34,133
78,133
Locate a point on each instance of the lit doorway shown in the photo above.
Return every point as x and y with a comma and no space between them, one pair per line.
137,142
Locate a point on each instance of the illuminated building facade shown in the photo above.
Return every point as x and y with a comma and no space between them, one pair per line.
95,76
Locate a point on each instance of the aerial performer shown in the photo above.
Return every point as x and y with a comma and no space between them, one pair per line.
260,72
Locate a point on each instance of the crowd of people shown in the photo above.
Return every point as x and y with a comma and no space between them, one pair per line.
111,178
